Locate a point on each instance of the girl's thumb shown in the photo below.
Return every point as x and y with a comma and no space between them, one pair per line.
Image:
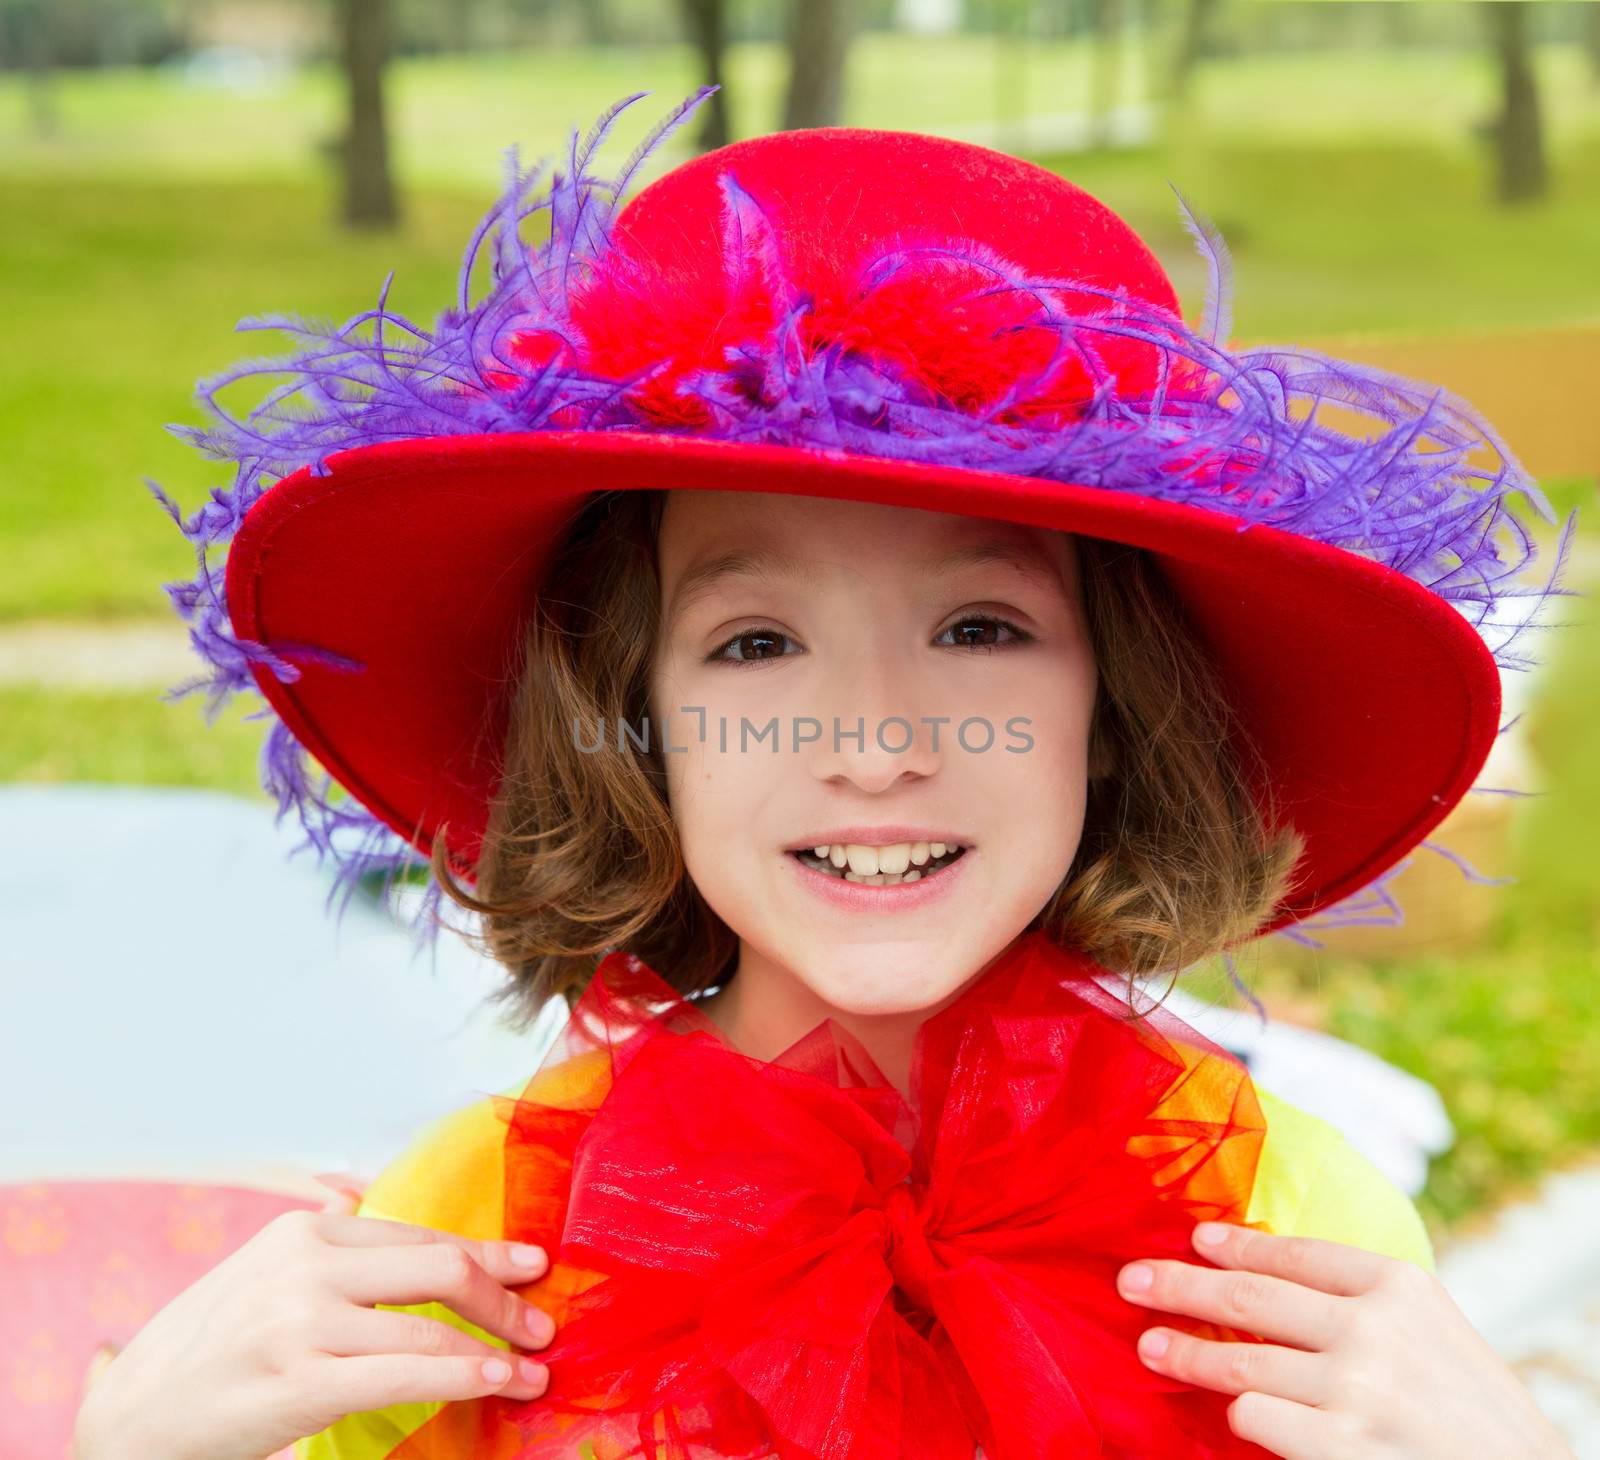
344,1185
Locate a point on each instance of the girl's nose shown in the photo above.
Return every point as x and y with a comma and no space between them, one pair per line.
872,769
879,737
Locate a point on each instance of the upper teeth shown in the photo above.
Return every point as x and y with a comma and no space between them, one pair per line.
868,861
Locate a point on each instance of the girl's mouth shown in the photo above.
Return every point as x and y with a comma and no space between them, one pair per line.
832,863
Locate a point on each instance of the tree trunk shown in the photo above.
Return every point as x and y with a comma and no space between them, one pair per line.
458,25
1106,68
39,54
369,198
1011,75
704,20
597,27
1518,134
819,36
1191,43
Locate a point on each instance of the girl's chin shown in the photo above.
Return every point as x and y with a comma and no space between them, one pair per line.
889,977
884,998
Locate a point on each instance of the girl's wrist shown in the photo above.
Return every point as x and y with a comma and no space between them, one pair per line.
101,1433
1554,1447
1546,1441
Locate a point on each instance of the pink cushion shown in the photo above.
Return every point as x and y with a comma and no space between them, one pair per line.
88,1263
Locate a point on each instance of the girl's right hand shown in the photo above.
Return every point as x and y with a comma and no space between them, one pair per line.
280,1339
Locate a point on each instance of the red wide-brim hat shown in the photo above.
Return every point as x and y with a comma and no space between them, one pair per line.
876,316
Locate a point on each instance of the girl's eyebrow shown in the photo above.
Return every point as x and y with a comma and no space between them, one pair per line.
702,577
760,563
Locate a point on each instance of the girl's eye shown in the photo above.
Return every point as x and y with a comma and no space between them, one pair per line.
755,645
760,636
984,623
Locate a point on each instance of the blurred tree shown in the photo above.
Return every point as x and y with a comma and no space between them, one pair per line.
369,197
1055,19
79,33
1011,22
458,24
1106,67
818,34
1191,44
1518,133
33,26
597,27
706,22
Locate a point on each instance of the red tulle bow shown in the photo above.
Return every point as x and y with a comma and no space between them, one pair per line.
790,1259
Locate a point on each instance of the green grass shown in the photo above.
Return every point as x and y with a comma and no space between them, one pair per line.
452,114
127,737
122,296
1386,238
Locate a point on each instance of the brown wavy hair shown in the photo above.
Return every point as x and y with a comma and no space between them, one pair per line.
580,854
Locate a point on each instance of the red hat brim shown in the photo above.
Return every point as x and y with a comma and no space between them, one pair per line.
1372,700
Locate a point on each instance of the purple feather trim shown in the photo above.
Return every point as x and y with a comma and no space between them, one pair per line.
1408,497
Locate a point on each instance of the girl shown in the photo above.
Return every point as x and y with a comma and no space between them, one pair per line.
840,619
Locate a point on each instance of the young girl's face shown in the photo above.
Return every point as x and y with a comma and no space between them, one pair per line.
777,680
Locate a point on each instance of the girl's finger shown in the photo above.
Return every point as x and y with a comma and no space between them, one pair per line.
1314,1262
499,1257
1288,1428
342,1181
1269,1307
365,1382
441,1272
354,1330
1232,1368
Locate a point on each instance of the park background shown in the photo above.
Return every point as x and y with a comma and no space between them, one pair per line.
1413,184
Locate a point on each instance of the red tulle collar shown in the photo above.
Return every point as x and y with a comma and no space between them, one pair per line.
787,1258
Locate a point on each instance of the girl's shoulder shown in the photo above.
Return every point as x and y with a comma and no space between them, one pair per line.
1310,1181
452,1173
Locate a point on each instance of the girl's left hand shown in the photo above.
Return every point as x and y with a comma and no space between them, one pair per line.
1376,1360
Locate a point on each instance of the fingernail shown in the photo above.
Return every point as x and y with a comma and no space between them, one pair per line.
1210,1234
1153,1343
533,1373
496,1371
540,1324
525,1255
1137,1278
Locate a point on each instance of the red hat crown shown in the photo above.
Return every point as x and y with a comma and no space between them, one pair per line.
904,248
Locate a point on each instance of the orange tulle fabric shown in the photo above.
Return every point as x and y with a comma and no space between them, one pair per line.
790,1259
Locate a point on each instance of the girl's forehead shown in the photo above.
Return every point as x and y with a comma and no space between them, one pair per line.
810,542
831,528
